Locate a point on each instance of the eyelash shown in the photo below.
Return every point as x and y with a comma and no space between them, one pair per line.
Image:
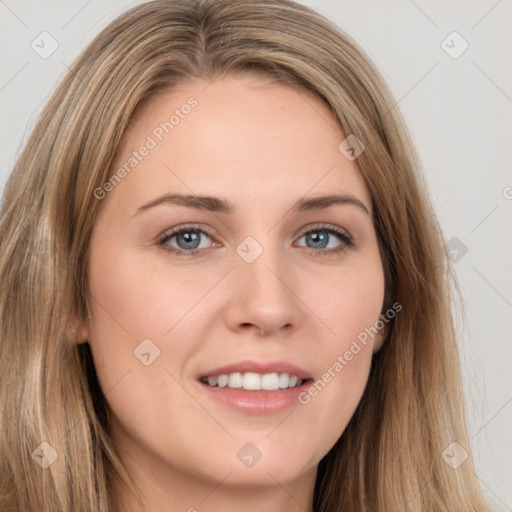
346,240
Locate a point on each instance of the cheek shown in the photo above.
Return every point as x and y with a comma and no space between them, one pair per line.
139,322
144,314
130,312
355,304
350,308
348,301
132,301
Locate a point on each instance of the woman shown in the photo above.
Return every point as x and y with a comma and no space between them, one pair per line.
223,283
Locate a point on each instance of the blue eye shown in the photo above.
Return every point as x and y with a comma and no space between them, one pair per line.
321,237
189,240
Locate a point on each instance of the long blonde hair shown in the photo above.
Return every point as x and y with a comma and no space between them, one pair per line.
390,457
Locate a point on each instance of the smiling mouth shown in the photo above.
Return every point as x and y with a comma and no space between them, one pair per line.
251,381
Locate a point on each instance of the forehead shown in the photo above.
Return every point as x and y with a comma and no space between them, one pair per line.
238,137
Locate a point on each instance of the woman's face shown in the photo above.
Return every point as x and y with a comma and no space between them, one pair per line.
264,287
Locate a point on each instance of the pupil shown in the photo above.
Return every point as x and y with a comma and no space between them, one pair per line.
318,239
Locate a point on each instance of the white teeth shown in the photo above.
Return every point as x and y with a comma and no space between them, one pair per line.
270,382
235,380
284,380
252,381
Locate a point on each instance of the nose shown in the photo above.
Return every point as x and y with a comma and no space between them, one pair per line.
263,296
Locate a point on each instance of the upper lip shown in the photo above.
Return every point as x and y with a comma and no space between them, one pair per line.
258,367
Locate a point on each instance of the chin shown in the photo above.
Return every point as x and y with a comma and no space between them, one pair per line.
249,465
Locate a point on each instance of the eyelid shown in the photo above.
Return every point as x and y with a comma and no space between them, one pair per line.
322,225
186,227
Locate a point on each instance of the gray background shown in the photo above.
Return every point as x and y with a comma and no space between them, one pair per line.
459,111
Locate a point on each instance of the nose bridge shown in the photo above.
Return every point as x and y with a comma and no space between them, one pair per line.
262,294
262,264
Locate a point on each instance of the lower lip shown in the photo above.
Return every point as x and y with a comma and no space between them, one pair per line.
256,402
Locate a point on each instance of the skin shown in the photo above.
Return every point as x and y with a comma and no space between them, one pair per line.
263,146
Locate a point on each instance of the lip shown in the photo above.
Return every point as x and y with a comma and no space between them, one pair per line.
256,402
258,367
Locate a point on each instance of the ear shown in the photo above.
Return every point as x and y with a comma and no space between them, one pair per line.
77,331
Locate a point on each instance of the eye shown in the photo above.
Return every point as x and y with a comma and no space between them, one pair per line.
324,238
189,241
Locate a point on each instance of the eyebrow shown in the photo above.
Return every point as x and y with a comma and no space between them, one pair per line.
219,205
